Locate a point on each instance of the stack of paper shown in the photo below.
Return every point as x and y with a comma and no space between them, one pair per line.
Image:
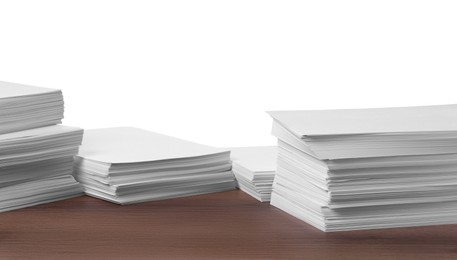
35,162
368,168
25,107
129,165
254,169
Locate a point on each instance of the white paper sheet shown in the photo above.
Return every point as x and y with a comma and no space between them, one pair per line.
9,90
36,132
255,159
132,145
368,121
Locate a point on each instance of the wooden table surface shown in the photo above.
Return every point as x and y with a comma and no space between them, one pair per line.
227,225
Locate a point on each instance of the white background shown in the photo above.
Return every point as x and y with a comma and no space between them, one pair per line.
207,70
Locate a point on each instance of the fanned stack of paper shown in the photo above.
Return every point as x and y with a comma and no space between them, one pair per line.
254,169
35,164
368,168
25,107
129,165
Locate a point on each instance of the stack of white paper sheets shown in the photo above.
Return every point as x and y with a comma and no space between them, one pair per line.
129,165
25,107
254,169
39,191
368,168
36,159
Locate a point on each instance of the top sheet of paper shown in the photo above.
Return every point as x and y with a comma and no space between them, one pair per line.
131,145
255,159
37,132
368,121
9,90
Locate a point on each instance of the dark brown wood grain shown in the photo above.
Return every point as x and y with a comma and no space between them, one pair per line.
228,225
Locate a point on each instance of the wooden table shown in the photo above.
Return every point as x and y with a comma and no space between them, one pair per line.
228,225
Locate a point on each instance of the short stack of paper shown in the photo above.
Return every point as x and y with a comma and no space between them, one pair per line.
254,169
129,165
35,164
369,168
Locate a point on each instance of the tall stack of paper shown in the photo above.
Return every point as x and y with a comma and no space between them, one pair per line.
254,169
25,107
129,165
368,168
36,159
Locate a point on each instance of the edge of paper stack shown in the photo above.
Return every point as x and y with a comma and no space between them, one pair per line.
367,168
36,154
129,165
254,169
